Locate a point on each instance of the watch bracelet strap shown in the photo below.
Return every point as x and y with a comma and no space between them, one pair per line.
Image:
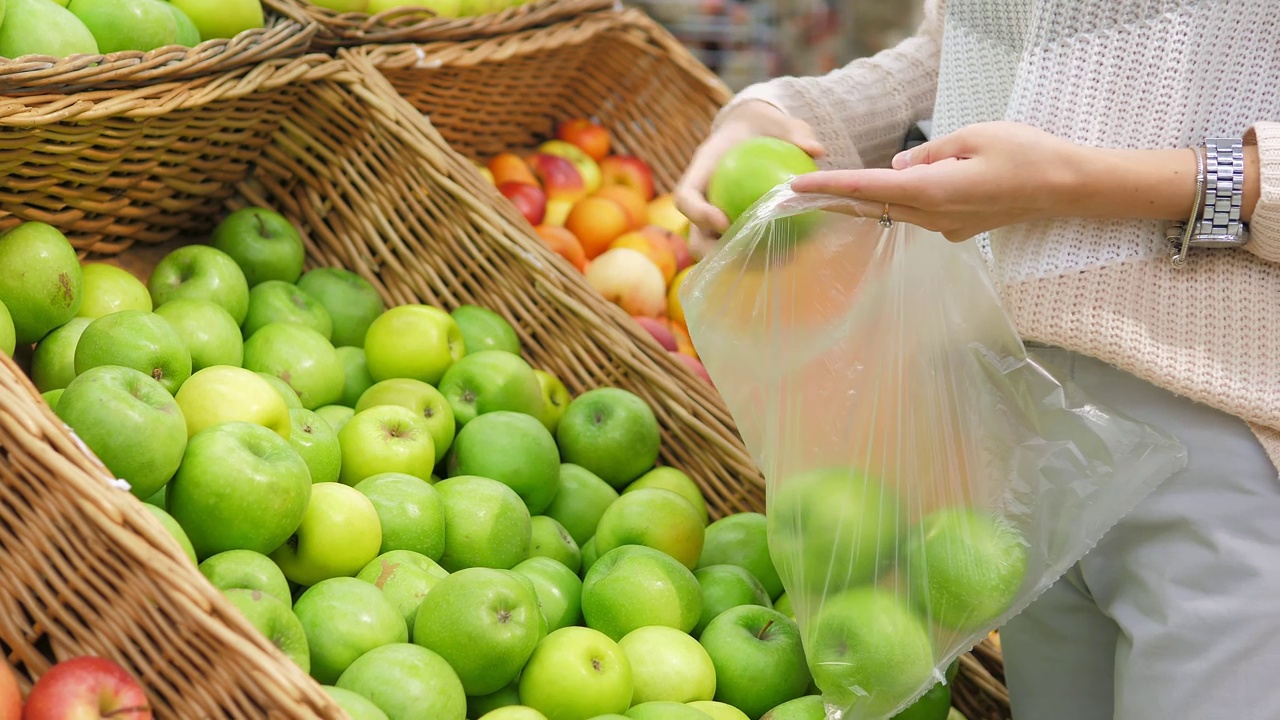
1223,188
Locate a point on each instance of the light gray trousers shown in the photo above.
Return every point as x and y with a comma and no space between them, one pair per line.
1175,615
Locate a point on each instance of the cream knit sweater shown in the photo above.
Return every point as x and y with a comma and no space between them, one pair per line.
1106,73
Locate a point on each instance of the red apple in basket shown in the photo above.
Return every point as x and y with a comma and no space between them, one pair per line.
660,330
530,200
559,177
10,693
590,137
88,688
631,280
627,170
695,365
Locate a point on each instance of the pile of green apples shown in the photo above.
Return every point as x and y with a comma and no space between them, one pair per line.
60,28
441,8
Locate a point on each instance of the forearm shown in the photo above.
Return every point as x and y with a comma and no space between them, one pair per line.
1147,184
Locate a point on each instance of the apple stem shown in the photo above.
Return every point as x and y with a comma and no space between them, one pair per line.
127,710
262,226
763,630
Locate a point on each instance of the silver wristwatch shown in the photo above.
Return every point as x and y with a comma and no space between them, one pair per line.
1220,224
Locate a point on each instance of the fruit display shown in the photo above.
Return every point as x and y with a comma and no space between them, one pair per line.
437,8
78,687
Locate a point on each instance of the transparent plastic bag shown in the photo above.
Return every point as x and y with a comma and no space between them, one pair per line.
926,477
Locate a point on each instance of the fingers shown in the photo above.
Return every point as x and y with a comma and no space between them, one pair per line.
955,145
700,244
800,134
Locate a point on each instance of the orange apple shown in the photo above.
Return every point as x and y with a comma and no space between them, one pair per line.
674,310
591,137
628,198
664,213
660,330
510,167
528,199
678,246
654,248
559,178
596,222
563,243
684,343
587,168
10,693
628,278
630,171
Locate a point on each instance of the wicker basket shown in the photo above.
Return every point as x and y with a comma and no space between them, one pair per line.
419,25
288,33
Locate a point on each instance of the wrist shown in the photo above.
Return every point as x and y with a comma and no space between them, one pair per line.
1134,184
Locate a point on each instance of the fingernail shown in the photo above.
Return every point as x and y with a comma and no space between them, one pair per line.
901,160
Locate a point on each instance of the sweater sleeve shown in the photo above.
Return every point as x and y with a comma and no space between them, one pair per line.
861,112
1264,226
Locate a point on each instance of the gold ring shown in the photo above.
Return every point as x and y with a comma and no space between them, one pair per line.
885,220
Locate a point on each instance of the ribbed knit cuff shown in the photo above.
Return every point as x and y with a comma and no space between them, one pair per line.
1264,226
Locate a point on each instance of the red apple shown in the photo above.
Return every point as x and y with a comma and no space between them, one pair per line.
629,171
90,688
631,280
660,330
10,693
695,365
528,199
591,137
559,177
679,246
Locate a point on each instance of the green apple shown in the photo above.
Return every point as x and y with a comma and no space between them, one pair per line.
742,539
964,567
559,591
343,6
809,707
188,33
555,399
336,415
935,704
130,422
410,511
157,498
413,341
669,478
486,524
478,705
868,651
286,393
782,604
610,432
484,329
53,365
407,682
109,289
263,243
43,27
484,622
353,302
248,570
240,486
472,8
127,24
655,518
514,712
633,586
718,710
667,664
207,329
384,439
300,356
492,381
421,398
45,286
8,338
317,443
576,672
404,577
759,658
276,301
274,619
580,501
551,540
135,339
512,448
750,169
222,393
725,587
356,371
344,618
665,710
174,529
355,705
442,8
216,19
51,399
590,554
339,535
203,273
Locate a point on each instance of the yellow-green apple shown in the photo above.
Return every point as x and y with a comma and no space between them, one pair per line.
486,524
174,529
555,399
240,486
479,705
291,399
718,710
207,329
353,302
223,393
742,539
652,245
665,710
422,399
336,415
809,707
276,301
667,664
486,173
222,18
750,169
300,356
558,210
343,6
552,541
782,604
50,287
355,369
491,381
8,338
204,273
759,658
263,243
630,171
660,330
669,478
656,518
664,214
935,704
51,399
529,199
407,681
580,502
590,137
634,586
484,622
587,167
340,534
509,167
130,422
109,289
87,687
559,591
316,442
514,712
135,339
383,439
441,8
344,618
631,201
484,329
249,570
725,587
357,706
470,8
559,177
274,619
126,24
41,27
630,279
868,650
53,365
404,577
10,693
675,310
596,222
413,341
188,33
514,449
410,511
612,433
577,672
